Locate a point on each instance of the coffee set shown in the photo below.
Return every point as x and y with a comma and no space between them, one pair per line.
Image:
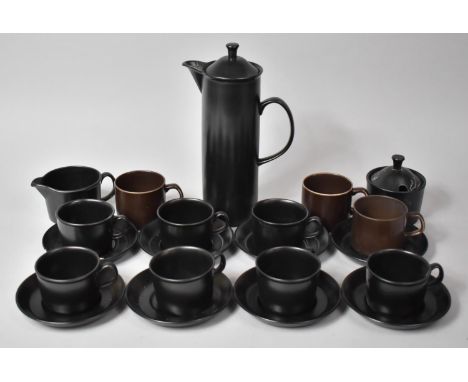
76,281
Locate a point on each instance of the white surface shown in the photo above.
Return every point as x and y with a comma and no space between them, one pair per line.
124,102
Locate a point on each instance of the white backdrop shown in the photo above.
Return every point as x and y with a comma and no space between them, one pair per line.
124,102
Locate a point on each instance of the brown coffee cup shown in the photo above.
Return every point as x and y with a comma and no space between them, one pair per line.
379,222
328,196
138,195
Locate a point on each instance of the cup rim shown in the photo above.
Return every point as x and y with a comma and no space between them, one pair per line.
288,281
392,282
67,248
78,201
355,211
117,187
289,201
181,248
76,189
178,200
327,173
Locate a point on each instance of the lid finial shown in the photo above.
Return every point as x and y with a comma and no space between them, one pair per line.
397,161
232,50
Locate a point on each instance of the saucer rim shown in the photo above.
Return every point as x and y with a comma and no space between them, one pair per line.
191,322
227,233
112,258
361,258
276,323
238,243
71,323
390,325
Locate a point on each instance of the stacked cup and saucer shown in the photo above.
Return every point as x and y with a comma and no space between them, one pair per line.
287,286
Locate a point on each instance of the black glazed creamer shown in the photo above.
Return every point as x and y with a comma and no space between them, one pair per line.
231,110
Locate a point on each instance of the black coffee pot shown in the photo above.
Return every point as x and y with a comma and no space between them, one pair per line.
231,110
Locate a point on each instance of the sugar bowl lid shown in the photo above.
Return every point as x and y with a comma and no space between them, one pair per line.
396,178
233,67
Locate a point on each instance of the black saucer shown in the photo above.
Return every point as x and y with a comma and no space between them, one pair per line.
341,237
29,301
437,303
151,243
120,246
245,240
328,298
142,300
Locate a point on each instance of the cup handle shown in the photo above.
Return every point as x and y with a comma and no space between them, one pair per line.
439,277
118,235
312,237
417,231
174,186
222,262
360,190
221,215
107,267
110,194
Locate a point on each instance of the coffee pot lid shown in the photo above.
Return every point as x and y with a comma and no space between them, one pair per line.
396,178
233,67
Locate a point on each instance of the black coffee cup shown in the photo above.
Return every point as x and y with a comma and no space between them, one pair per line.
70,277
287,279
187,221
183,279
397,281
283,222
88,223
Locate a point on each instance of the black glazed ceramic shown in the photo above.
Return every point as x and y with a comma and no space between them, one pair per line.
69,279
246,240
142,300
398,182
183,279
150,240
397,282
341,237
436,304
29,301
88,223
64,184
191,222
327,300
124,242
287,280
278,222
231,110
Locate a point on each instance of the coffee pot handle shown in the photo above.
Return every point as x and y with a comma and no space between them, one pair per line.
283,104
110,194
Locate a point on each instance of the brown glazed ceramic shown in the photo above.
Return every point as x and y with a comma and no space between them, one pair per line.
328,196
138,195
379,223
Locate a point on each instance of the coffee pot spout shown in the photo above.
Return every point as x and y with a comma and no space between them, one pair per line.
196,68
